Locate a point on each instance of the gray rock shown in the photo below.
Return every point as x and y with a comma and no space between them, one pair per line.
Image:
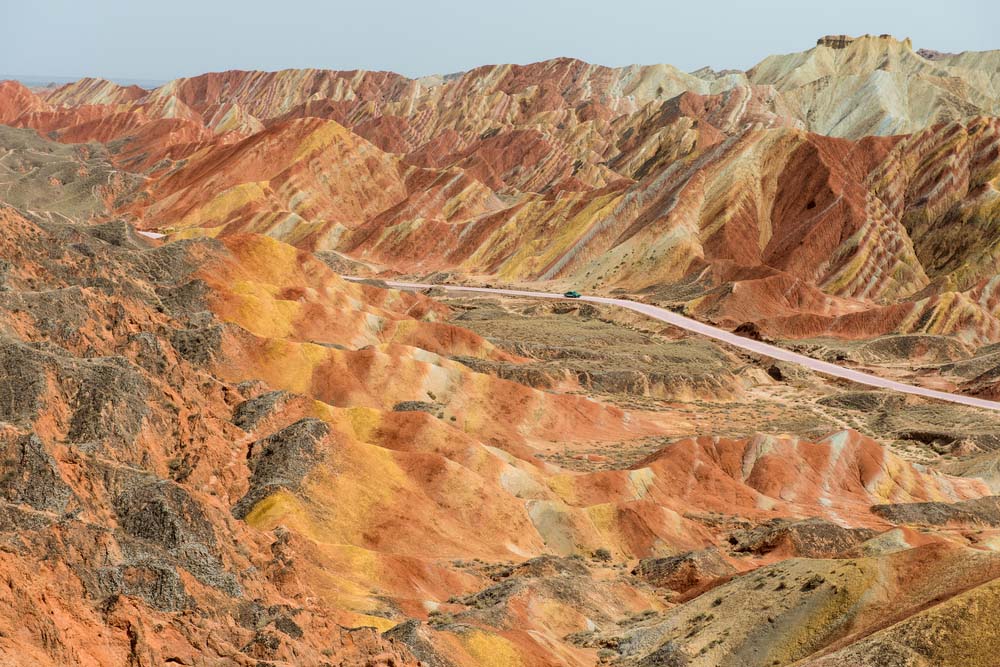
107,396
161,521
667,655
198,345
418,406
183,299
976,512
250,413
494,595
159,584
17,519
548,565
415,636
162,512
116,232
687,571
148,352
22,381
810,538
281,460
29,475
110,400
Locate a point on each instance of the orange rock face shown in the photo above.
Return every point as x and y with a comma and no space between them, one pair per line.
216,450
233,430
635,179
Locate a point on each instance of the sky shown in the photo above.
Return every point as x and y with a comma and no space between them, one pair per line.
165,39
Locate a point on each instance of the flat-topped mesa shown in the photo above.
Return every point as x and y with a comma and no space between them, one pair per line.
835,41
931,54
843,41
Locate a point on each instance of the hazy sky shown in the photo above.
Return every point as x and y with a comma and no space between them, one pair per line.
163,39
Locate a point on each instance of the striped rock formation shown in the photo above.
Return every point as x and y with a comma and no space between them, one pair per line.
232,430
638,178
215,450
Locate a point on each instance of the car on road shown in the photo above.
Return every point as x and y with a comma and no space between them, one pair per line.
572,294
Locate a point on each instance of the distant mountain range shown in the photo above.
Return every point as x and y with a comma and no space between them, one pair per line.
42,81
826,188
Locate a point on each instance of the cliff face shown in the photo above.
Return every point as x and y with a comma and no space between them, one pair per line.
843,41
835,41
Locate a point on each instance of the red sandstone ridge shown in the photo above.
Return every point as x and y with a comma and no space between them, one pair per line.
16,100
515,171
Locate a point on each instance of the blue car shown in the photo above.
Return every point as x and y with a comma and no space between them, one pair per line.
572,294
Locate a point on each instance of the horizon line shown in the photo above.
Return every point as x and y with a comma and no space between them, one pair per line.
42,80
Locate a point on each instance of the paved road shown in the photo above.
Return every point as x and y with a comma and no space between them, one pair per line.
695,326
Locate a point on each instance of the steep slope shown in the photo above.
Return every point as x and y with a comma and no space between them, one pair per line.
230,420
15,100
115,451
878,85
588,180
613,178
803,234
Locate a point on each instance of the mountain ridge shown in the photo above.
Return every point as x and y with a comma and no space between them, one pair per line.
216,450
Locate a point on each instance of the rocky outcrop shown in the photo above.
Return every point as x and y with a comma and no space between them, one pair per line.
105,396
198,345
30,475
249,414
809,538
977,512
418,406
280,461
688,573
416,637
932,54
835,41
23,382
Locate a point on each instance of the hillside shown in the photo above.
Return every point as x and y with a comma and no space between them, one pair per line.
218,451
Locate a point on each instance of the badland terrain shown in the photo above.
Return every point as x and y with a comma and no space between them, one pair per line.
216,450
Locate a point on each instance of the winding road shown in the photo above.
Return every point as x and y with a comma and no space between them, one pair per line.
748,344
